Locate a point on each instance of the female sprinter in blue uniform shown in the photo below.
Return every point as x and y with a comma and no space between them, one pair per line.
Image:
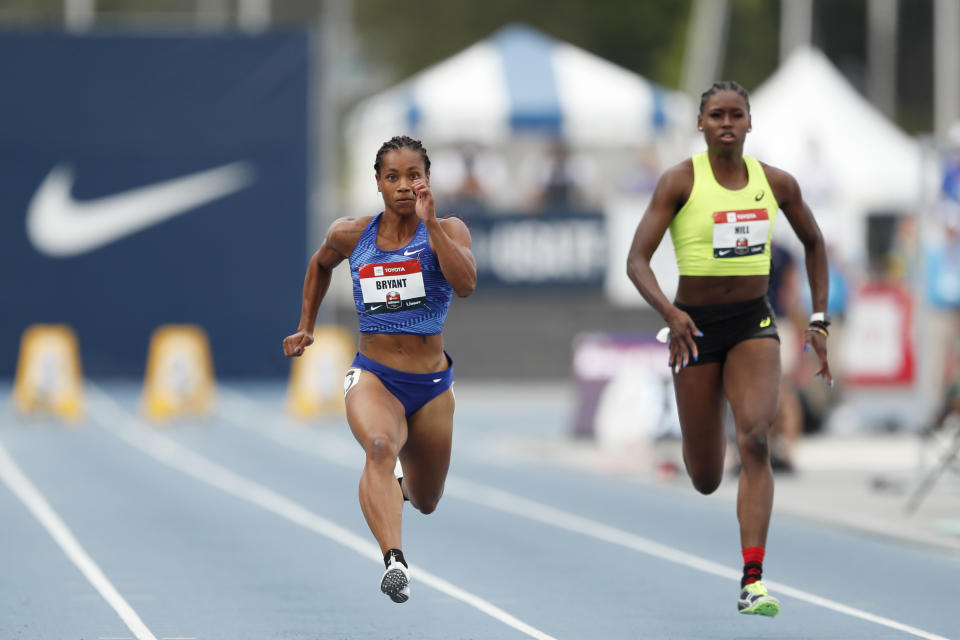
405,264
720,207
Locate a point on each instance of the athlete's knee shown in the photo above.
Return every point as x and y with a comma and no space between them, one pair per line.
381,449
427,504
705,477
706,483
753,440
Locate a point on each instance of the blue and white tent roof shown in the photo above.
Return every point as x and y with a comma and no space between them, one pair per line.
519,80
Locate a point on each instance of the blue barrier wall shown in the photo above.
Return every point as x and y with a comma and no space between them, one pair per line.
154,179
562,251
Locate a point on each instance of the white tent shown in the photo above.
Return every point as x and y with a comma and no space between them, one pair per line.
848,158
516,82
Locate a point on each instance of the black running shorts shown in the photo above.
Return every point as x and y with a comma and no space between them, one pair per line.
725,325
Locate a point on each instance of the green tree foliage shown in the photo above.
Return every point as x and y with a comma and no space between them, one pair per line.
645,37
753,42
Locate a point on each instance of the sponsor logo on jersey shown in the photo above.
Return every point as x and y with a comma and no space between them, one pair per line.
393,300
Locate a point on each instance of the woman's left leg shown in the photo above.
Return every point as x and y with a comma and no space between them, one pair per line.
425,457
751,381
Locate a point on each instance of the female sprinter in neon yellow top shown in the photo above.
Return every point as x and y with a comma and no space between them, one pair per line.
720,207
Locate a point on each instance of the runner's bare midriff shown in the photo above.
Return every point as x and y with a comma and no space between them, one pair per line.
405,352
698,291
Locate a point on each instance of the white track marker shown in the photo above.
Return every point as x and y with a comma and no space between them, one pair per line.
137,434
240,409
21,486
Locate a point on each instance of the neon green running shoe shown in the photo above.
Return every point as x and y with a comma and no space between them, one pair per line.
754,599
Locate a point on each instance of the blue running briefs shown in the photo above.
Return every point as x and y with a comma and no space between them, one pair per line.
413,390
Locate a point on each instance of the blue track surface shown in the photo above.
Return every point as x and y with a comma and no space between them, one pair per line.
199,549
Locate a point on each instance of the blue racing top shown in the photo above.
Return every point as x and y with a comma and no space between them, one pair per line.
401,291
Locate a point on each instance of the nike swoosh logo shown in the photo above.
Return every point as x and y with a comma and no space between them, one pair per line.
376,307
411,253
724,252
60,226
437,379
759,196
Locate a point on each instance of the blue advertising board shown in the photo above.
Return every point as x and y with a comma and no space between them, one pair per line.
147,180
563,251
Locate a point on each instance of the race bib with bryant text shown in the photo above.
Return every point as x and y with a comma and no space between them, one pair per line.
392,286
740,233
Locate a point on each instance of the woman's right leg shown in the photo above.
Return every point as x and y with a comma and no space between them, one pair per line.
378,423
699,391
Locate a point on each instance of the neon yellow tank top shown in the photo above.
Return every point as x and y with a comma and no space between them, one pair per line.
719,232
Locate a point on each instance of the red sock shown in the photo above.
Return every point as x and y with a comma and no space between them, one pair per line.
752,564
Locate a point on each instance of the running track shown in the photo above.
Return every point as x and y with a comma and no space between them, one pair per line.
246,526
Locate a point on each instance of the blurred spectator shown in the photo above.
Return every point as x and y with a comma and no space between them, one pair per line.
816,399
784,298
951,168
640,176
789,296
470,191
559,180
563,180
942,255
950,406
465,177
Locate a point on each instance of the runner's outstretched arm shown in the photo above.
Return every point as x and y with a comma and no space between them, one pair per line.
316,282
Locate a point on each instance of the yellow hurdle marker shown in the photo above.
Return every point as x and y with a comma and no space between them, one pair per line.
179,377
49,377
316,377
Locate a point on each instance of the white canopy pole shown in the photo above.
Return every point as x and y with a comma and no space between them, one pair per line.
796,25
706,44
946,75
882,55
79,15
254,15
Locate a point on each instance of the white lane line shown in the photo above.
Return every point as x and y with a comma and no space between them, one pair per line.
530,509
21,486
239,411
139,435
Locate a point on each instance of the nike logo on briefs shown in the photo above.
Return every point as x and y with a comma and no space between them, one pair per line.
765,322
60,226
437,379
759,196
412,253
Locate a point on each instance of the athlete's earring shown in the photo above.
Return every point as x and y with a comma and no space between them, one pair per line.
699,128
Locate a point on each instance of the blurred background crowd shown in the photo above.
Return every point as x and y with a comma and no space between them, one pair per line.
547,123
